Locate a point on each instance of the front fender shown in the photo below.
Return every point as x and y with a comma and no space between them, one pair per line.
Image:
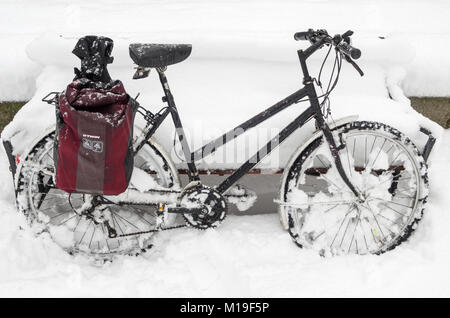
281,209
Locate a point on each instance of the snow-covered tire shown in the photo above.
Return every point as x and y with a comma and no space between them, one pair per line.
304,210
40,157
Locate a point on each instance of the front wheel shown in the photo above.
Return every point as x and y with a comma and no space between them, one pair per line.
384,166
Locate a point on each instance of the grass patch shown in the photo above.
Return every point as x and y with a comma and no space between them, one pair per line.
7,112
435,108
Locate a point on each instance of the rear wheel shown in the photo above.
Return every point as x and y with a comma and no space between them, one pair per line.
383,165
52,210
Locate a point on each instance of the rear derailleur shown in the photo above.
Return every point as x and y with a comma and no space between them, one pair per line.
95,208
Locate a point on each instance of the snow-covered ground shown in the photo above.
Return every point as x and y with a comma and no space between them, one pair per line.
247,256
244,59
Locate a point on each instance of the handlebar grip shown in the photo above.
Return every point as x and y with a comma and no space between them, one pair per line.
348,59
301,36
349,50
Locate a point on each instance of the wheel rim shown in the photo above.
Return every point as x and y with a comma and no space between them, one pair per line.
80,234
329,218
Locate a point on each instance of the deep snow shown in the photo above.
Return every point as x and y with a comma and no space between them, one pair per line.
247,256
243,60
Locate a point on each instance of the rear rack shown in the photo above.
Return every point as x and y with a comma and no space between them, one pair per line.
51,98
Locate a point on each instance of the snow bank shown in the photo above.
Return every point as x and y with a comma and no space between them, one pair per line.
17,72
260,30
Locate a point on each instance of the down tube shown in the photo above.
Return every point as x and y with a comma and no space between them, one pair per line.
252,122
264,151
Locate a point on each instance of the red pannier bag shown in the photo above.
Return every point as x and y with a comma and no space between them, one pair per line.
93,143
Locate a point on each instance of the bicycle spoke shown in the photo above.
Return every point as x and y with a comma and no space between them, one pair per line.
393,222
395,158
365,151
115,221
383,182
333,207
392,202
340,226
144,212
376,158
106,240
345,232
394,210
318,235
332,183
376,220
50,157
85,231
92,236
126,221
79,220
348,159
68,219
364,236
59,214
376,137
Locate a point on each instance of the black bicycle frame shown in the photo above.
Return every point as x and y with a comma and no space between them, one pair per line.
313,111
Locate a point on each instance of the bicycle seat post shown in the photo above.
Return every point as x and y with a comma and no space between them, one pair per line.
168,98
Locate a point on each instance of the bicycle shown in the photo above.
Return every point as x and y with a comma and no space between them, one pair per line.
356,187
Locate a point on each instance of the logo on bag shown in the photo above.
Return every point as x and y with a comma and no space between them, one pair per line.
93,145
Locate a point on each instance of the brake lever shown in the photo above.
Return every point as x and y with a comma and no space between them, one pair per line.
346,36
348,59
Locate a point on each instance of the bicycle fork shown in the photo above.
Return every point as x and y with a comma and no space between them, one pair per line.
337,159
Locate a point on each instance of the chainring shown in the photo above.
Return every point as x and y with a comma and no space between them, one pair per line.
211,204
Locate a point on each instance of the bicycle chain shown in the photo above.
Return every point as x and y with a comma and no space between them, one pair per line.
153,231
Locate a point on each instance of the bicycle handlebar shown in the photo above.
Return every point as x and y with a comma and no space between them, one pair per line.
302,36
349,50
341,42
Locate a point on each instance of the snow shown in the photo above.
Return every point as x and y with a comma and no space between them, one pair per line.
247,256
416,32
243,60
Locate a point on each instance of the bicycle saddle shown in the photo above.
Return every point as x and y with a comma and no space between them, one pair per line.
159,55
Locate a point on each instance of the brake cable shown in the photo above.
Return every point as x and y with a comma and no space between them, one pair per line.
318,82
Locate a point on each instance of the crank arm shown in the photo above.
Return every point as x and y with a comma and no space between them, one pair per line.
183,210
